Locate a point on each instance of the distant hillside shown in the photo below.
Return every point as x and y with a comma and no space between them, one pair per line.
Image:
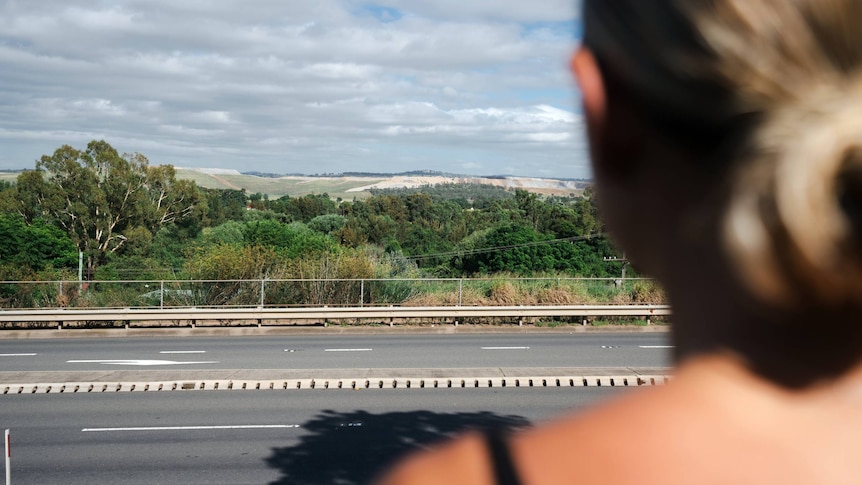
358,186
276,187
9,176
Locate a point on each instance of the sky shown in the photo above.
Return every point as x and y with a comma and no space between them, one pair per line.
478,87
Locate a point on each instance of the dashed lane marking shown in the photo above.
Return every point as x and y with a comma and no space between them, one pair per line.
138,362
505,348
17,355
191,428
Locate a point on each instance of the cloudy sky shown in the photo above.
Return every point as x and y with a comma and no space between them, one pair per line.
296,86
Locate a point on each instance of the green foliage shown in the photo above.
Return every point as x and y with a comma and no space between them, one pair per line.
169,246
224,205
34,246
231,261
477,196
303,208
292,240
102,200
229,232
327,223
122,212
515,248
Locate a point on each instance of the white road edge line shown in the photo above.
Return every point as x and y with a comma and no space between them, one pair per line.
656,346
348,350
183,352
505,348
191,428
17,355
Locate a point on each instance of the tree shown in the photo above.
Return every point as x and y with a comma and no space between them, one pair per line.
34,246
100,197
291,240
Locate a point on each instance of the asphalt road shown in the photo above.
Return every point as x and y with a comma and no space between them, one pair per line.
339,352
287,437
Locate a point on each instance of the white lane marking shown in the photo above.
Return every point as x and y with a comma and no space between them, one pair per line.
192,428
656,346
137,362
17,355
183,352
505,348
347,350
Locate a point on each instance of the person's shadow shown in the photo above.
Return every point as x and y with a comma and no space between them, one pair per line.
356,447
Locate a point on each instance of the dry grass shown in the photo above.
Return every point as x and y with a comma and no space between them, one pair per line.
507,293
555,296
504,293
426,299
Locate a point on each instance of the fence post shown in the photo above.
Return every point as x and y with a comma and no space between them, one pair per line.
460,291
161,295
8,440
262,283
361,292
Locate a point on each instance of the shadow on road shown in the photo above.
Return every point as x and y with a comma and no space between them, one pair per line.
354,448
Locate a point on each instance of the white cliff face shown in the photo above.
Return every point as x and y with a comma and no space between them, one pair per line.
399,181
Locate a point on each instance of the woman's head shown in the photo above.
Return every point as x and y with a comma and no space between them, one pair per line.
765,97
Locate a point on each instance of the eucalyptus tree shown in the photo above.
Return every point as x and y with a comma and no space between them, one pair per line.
102,199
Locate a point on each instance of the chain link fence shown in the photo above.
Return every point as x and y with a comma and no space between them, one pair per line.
285,293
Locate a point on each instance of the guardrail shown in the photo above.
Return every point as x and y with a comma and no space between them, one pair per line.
281,316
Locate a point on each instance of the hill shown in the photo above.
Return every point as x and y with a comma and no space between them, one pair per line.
357,186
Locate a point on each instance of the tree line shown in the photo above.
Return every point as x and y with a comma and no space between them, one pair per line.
132,220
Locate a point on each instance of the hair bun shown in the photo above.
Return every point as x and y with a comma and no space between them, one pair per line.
795,217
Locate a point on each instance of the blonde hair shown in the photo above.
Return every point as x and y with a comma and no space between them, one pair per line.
787,72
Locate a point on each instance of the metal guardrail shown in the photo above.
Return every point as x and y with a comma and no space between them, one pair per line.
324,315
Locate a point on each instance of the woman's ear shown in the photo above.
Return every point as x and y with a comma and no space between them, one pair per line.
594,97
615,152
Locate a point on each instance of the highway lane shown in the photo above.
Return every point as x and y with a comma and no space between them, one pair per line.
292,437
339,352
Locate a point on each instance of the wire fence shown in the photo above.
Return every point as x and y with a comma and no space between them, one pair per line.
286,293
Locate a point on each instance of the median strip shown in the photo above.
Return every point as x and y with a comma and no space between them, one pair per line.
331,379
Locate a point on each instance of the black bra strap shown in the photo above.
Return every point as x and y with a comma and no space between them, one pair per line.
501,459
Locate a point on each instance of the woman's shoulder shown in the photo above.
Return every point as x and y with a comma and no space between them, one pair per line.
698,426
462,461
607,436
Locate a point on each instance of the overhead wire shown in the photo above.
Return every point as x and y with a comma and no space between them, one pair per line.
470,252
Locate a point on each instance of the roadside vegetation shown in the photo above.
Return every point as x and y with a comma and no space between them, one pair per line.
134,222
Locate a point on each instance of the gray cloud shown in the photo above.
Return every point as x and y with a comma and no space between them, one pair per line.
301,86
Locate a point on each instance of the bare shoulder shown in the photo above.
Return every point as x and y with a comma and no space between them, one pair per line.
544,454
712,424
461,461
628,440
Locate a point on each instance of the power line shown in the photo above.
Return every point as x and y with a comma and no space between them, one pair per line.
470,252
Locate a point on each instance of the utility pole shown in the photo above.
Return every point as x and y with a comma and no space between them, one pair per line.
80,271
625,263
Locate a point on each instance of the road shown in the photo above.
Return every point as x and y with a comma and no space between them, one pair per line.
287,437
277,436
339,352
